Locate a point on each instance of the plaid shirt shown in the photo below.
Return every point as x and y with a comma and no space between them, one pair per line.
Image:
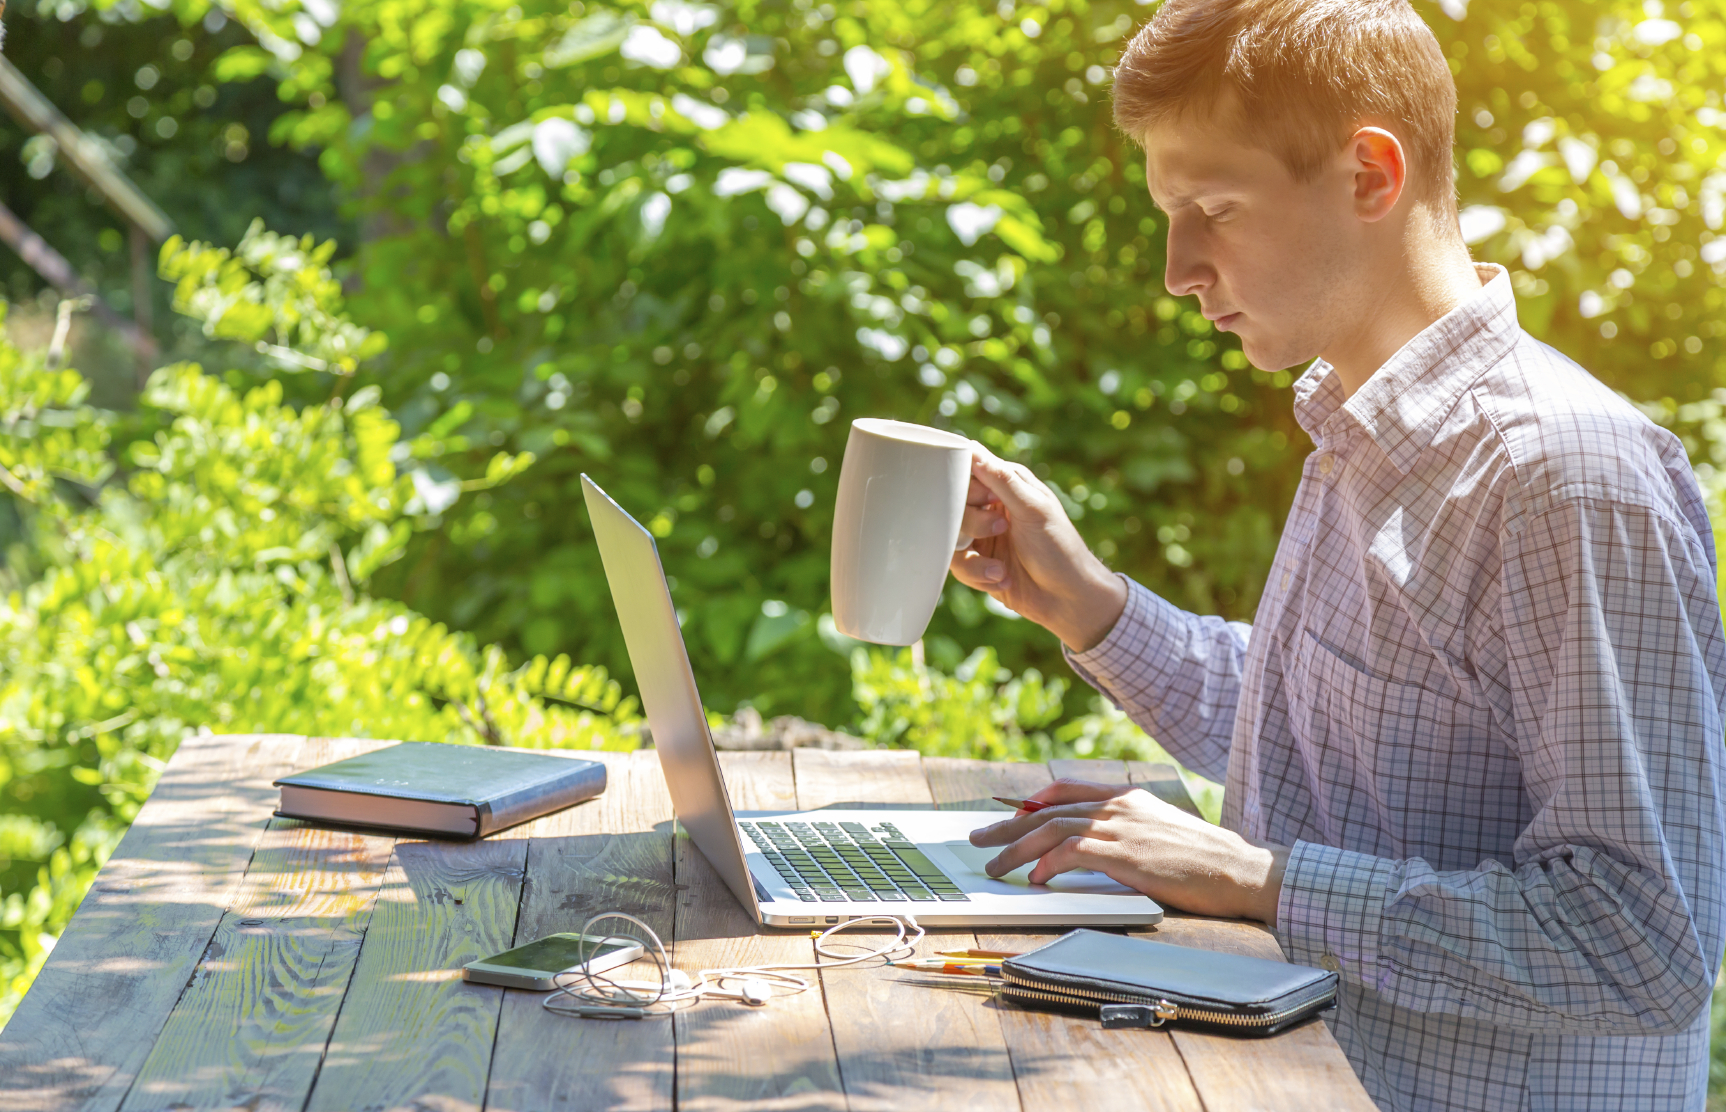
1482,701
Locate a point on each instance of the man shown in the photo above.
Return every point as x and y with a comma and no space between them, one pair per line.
1472,739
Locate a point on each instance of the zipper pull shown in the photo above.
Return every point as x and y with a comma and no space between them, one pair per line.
1138,1015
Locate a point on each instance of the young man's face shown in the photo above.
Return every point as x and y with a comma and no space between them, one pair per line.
1276,261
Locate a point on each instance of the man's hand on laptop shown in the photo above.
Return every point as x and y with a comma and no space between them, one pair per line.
1134,838
1026,553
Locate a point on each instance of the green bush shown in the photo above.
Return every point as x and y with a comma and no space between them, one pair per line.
681,245
983,710
203,565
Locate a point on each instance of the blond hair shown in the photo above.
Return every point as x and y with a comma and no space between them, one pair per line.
1306,73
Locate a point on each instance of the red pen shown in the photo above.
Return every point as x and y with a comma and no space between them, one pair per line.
1029,806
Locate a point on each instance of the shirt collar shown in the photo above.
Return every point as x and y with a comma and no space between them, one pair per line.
1401,406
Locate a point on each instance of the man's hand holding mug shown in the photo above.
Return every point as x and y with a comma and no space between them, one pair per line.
1026,553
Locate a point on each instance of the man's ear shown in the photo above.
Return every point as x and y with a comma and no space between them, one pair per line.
1380,172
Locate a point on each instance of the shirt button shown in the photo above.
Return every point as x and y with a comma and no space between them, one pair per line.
1285,585
1330,964
1325,463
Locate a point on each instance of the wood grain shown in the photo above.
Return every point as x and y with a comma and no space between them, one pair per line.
1064,1062
871,778
251,1027
729,1055
614,854
90,1020
1299,1070
759,781
412,1033
127,1011
962,784
904,1040
1097,772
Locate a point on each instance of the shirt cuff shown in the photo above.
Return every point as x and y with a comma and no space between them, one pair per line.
1331,910
1141,652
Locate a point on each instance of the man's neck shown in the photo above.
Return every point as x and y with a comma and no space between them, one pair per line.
1428,277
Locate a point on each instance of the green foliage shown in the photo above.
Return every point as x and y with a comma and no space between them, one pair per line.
139,82
680,245
1589,136
292,314
980,710
984,710
204,566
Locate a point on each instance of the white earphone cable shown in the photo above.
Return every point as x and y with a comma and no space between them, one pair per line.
593,995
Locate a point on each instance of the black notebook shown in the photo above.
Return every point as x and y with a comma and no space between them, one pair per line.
449,791
1134,982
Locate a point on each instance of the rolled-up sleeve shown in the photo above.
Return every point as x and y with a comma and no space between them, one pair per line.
1608,920
1177,675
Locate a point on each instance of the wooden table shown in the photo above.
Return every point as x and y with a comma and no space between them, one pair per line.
225,958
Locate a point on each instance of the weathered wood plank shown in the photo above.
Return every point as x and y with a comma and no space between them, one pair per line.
1301,1070
1062,1062
910,1040
1098,772
88,1024
1163,780
870,778
962,784
251,1027
904,1040
729,1055
614,854
412,1033
759,781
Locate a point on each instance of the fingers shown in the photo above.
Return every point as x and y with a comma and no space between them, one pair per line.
1069,790
1039,841
1022,824
979,572
983,521
1011,483
1076,852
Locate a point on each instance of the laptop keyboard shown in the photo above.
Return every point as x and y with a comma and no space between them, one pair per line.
836,862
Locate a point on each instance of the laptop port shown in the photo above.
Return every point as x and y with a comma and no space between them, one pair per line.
802,919
833,918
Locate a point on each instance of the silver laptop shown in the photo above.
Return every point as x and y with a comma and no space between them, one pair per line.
807,868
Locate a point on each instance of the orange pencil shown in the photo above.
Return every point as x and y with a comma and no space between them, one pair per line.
978,953
953,970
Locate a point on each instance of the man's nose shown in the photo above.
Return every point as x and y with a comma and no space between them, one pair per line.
1186,271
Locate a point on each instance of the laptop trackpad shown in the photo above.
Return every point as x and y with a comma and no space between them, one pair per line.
973,858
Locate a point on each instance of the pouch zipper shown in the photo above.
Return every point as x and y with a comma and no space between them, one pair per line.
1165,1009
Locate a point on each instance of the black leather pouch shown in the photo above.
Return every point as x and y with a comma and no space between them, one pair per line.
1134,982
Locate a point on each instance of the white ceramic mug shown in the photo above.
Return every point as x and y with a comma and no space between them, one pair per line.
896,525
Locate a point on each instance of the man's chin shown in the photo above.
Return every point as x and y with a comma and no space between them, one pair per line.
1272,357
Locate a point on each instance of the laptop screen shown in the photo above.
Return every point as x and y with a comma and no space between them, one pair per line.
668,694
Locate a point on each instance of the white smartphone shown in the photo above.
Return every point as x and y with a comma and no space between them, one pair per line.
537,963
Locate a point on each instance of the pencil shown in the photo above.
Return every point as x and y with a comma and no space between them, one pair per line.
978,953
953,970
1029,806
944,960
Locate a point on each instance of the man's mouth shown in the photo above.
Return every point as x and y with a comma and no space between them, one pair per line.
1225,322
